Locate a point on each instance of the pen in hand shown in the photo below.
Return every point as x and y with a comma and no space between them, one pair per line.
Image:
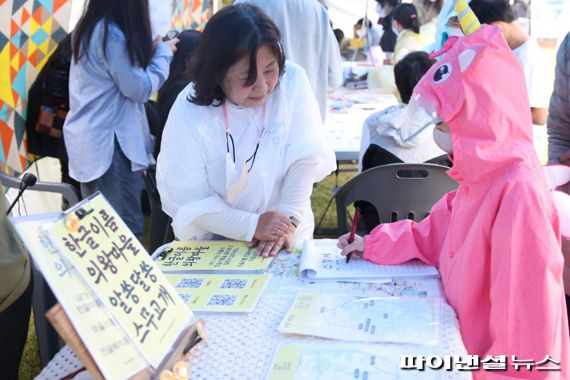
353,230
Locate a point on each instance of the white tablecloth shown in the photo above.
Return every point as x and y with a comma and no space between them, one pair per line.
346,113
242,345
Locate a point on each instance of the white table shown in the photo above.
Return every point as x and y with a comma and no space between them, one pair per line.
242,345
346,112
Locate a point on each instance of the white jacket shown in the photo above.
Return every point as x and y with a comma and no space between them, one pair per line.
383,129
193,171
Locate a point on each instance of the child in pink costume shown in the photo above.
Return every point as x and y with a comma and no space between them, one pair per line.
496,239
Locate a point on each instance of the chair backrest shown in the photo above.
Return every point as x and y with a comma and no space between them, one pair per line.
160,223
396,191
66,190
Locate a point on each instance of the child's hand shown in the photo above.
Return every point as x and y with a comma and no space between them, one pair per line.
356,246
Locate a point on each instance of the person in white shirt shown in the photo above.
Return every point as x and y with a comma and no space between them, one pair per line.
309,41
531,58
244,142
381,141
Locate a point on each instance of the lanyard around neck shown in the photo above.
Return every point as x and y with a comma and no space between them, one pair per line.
229,136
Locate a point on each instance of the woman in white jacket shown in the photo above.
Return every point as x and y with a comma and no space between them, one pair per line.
244,142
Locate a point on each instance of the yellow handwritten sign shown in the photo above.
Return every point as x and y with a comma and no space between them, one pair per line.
120,272
115,354
205,256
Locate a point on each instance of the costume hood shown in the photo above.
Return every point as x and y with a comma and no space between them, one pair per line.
478,90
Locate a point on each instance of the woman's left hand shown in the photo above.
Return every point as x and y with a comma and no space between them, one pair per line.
267,248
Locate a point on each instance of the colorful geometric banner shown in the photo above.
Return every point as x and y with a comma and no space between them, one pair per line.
29,32
190,14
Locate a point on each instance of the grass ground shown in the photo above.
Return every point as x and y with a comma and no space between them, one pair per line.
30,365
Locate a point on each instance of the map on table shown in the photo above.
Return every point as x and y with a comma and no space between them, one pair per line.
364,319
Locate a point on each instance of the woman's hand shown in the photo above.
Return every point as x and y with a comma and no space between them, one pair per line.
271,226
172,44
356,246
268,248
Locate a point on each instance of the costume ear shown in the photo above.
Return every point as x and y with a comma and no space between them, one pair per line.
465,58
467,19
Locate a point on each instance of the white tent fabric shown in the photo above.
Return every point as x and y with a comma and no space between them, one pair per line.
345,13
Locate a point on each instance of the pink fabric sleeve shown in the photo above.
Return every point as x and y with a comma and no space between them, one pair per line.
398,242
527,313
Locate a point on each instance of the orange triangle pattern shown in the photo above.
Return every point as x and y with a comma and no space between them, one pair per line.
6,134
58,4
24,160
38,15
15,96
25,15
195,5
34,58
13,28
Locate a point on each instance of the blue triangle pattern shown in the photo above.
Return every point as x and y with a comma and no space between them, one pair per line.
4,114
17,4
19,128
3,41
48,5
19,83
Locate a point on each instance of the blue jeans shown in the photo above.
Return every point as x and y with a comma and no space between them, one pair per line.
122,188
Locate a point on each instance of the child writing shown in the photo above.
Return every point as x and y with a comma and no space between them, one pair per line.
496,239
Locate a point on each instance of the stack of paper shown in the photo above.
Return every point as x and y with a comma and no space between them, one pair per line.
321,260
216,276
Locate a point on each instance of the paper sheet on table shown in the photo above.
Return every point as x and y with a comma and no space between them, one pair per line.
345,361
364,319
321,260
230,293
224,256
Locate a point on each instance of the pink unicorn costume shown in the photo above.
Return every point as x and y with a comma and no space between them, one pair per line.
496,239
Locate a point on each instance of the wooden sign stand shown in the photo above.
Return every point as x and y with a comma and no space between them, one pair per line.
187,340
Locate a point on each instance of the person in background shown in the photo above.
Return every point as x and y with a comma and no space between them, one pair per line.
371,35
15,296
384,9
559,109
406,24
428,11
381,129
309,41
496,239
339,35
50,94
244,142
530,57
178,78
116,67
558,127
381,141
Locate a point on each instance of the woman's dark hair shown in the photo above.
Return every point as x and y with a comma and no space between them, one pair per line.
408,72
361,20
234,32
130,16
490,11
392,3
407,15
180,65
